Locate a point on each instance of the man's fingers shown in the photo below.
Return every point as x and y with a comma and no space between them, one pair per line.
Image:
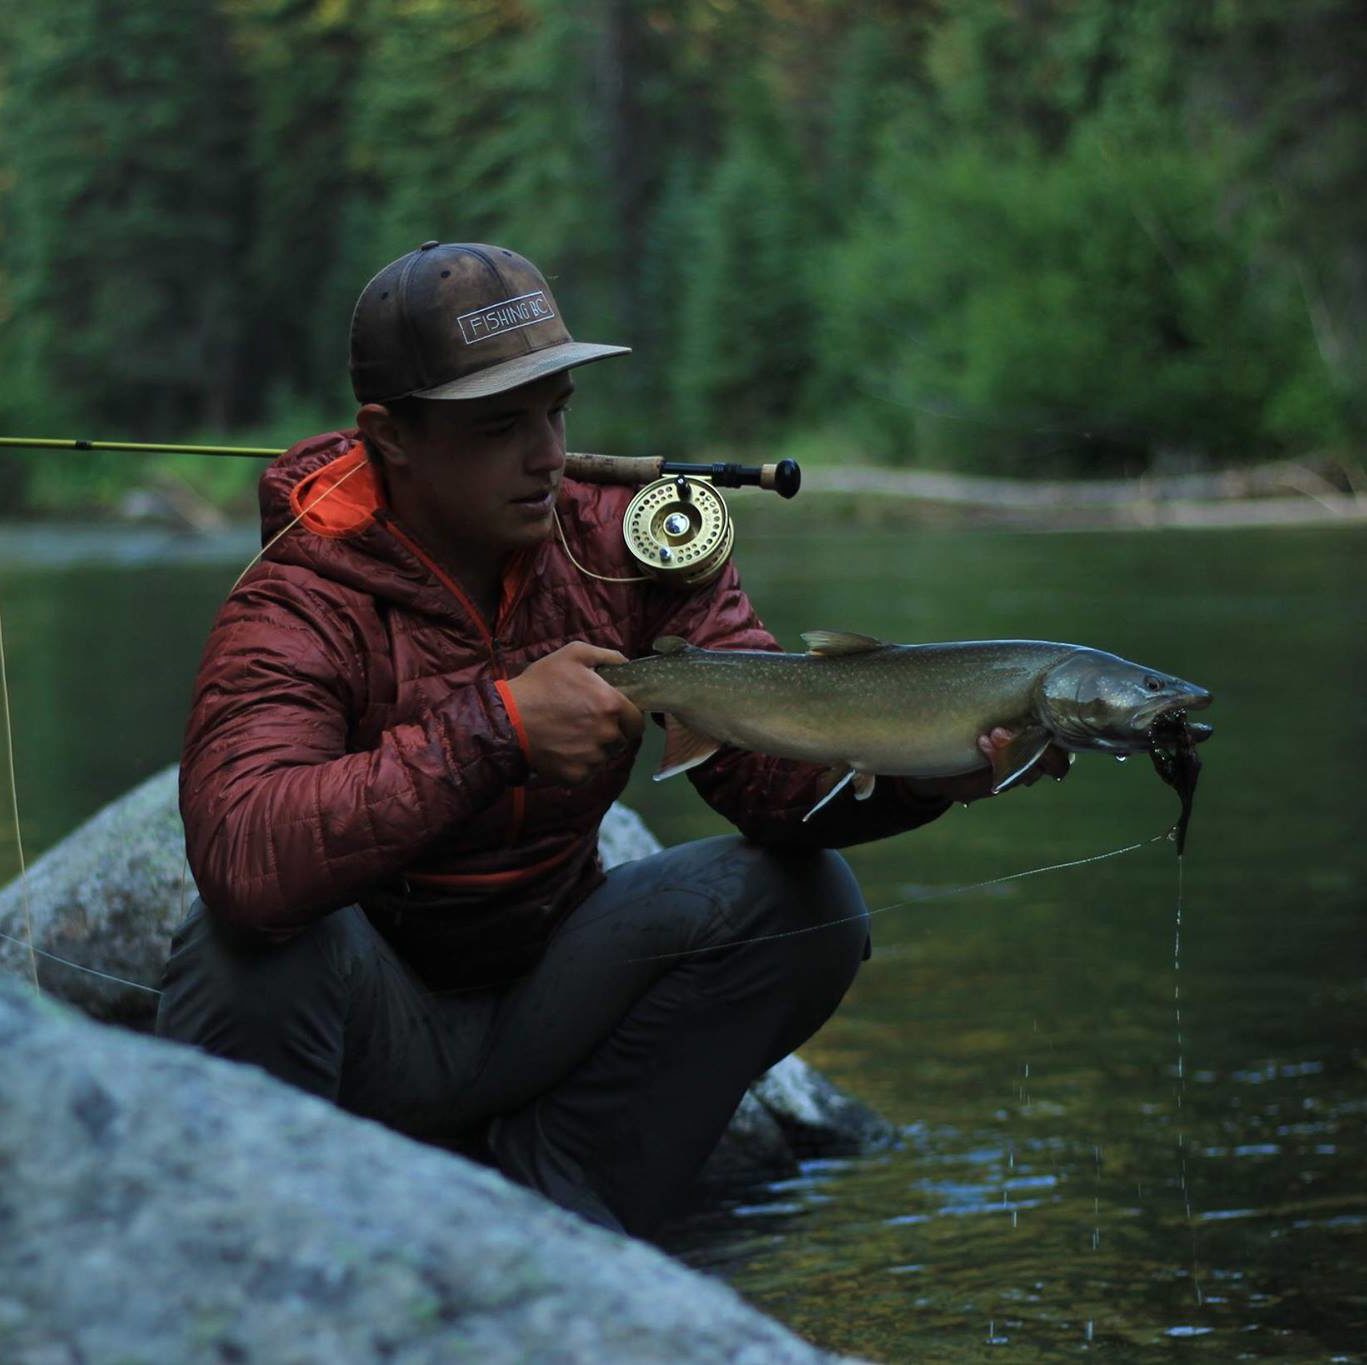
592,656
631,719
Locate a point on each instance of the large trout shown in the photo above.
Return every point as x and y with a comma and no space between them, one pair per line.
865,708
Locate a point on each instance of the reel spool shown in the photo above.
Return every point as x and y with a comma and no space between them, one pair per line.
679,530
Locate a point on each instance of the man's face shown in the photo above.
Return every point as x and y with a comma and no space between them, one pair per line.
480,476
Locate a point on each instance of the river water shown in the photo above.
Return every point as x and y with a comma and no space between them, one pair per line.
1073,1177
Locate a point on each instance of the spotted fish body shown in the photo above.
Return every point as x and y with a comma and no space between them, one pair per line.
864,707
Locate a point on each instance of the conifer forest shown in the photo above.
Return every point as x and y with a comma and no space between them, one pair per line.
1054,237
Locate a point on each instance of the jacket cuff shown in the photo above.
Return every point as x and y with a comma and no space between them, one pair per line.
505,695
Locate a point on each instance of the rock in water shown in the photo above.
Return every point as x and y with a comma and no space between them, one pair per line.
160,1205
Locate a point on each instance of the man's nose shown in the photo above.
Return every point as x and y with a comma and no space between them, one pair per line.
546,449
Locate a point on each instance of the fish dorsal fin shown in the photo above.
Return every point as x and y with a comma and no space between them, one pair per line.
670,644
684,749
831,643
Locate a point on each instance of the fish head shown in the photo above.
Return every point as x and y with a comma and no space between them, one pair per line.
1094,700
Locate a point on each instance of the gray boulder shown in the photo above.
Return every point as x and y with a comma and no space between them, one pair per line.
111,893
160,1205
107,896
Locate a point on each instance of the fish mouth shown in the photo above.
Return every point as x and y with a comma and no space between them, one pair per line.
1193,699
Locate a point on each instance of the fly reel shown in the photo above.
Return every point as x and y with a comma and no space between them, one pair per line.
679,530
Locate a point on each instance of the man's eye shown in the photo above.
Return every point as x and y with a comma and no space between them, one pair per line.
498,428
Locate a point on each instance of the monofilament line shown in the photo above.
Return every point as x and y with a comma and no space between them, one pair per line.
80,967
589,573
34,952
293,522
27,941
1182,1078
913,900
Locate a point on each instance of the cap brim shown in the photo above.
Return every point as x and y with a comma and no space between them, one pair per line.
512,374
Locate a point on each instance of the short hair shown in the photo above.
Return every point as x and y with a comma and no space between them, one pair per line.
407,411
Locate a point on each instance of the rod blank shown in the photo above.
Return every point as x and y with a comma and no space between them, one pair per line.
783,478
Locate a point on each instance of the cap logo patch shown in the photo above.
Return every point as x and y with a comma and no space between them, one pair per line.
523,311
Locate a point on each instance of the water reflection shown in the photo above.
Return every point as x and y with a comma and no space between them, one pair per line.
1024,1033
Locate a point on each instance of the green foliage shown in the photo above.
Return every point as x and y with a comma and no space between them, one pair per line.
1077,235
121,234
1090,310
299,62
744,332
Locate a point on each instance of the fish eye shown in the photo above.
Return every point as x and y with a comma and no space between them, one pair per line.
1153,684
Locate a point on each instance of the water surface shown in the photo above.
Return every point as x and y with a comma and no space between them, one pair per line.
1022,1035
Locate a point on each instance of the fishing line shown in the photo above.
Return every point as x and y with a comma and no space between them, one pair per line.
914,900
35,952
1182,1080
290,525
688,952
588,573
18,833
89,971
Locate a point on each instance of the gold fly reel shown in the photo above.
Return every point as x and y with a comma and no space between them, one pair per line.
679,530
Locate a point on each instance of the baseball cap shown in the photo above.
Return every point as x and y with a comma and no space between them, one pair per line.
459,320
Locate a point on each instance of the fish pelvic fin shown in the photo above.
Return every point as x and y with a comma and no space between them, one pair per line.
863,784
684,749
1012,761
832,643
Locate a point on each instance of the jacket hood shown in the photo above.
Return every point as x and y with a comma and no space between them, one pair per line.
299,481
323,508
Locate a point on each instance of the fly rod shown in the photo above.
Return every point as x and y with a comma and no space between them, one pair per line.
783,477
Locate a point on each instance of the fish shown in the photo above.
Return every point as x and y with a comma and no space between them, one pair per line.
866,708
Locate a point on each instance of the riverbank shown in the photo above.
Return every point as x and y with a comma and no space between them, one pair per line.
1322,491
1280,493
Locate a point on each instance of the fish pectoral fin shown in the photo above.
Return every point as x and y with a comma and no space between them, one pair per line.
831,643
1013,760
684,749
861,782
832,794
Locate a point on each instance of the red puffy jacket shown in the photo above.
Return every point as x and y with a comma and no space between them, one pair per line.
350,739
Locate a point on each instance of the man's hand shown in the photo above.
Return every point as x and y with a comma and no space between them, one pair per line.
1053,762
574,721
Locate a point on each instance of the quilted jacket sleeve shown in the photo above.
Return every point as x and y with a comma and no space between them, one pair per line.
282,823
766,798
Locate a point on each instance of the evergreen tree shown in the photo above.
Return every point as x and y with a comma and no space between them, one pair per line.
123,229
299,61
746,320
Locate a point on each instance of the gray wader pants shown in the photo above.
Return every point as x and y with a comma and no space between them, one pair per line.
605,1076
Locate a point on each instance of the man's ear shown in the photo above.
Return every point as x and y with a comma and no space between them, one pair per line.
382,432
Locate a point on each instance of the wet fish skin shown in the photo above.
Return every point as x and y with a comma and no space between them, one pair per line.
866,707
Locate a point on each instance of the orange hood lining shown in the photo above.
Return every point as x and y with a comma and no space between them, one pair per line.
340,499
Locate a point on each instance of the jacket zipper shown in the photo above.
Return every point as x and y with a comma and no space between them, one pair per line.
491,644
